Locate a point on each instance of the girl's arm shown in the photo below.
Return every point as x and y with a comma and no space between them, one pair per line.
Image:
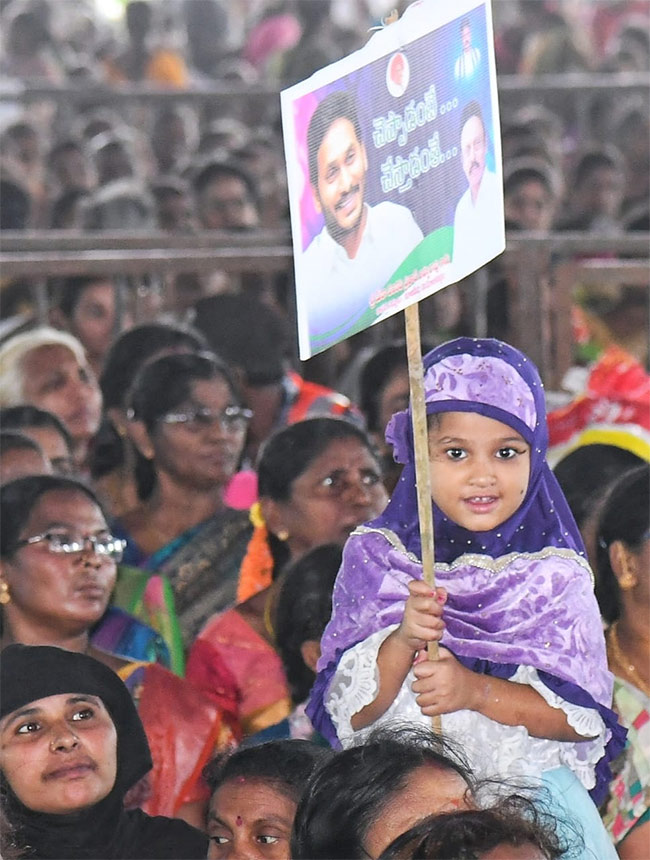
421,623
446,685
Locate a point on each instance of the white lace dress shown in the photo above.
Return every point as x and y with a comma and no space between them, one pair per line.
493,749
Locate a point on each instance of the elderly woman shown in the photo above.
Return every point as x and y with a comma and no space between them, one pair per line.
57,572
71,746
49,369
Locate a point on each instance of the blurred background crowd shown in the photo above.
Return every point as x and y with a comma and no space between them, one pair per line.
190,159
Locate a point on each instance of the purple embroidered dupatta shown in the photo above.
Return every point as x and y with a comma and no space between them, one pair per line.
520,594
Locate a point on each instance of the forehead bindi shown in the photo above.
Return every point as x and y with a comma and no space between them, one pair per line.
243,802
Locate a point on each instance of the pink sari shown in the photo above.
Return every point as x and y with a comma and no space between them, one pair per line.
229,643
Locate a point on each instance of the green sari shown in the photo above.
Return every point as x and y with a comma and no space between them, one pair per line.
176,589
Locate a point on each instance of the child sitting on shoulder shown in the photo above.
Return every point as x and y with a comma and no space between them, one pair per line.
522,680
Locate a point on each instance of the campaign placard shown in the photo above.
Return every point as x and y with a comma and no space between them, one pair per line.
394,170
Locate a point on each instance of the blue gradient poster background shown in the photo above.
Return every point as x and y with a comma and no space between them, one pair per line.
409,97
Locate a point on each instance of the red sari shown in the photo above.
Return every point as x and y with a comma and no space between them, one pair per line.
184,729
261,690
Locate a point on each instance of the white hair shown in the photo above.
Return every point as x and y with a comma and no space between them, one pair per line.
14,351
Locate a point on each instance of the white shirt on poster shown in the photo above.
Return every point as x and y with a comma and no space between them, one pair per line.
335,289
479,233
467,63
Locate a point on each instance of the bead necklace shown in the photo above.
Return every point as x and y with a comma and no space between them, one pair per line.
623,661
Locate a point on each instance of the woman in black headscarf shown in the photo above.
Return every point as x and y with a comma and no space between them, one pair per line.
71,745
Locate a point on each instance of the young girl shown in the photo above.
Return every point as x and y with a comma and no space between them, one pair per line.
522,679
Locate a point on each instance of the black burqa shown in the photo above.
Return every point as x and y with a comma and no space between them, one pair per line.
105,830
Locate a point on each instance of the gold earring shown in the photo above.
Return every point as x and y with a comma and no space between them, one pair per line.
627,581
628,578
5,597
282,535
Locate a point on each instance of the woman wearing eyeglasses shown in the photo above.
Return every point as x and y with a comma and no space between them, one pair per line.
189,428
57,571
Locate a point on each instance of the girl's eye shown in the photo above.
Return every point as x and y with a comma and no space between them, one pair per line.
265,839
28,728
507,453
456,453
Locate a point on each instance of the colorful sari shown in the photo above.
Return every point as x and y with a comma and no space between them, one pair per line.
194,576
122,634
261,688
628,804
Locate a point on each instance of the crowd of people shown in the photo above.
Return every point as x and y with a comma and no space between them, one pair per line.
268,618
184,166
214,618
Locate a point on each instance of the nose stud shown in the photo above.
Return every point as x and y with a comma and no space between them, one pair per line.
59,742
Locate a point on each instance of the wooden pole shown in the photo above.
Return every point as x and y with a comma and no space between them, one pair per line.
421,447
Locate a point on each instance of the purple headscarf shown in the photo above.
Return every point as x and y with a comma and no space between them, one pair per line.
497,381
519,594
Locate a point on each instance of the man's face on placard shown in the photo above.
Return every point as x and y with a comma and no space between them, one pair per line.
342,166
473,148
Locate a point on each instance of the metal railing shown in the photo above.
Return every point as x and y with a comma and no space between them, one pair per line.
50,254
103,94
543,269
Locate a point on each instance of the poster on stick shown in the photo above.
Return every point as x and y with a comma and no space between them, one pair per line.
394,170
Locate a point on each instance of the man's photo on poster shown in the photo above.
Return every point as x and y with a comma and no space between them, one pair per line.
360,245
393,164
